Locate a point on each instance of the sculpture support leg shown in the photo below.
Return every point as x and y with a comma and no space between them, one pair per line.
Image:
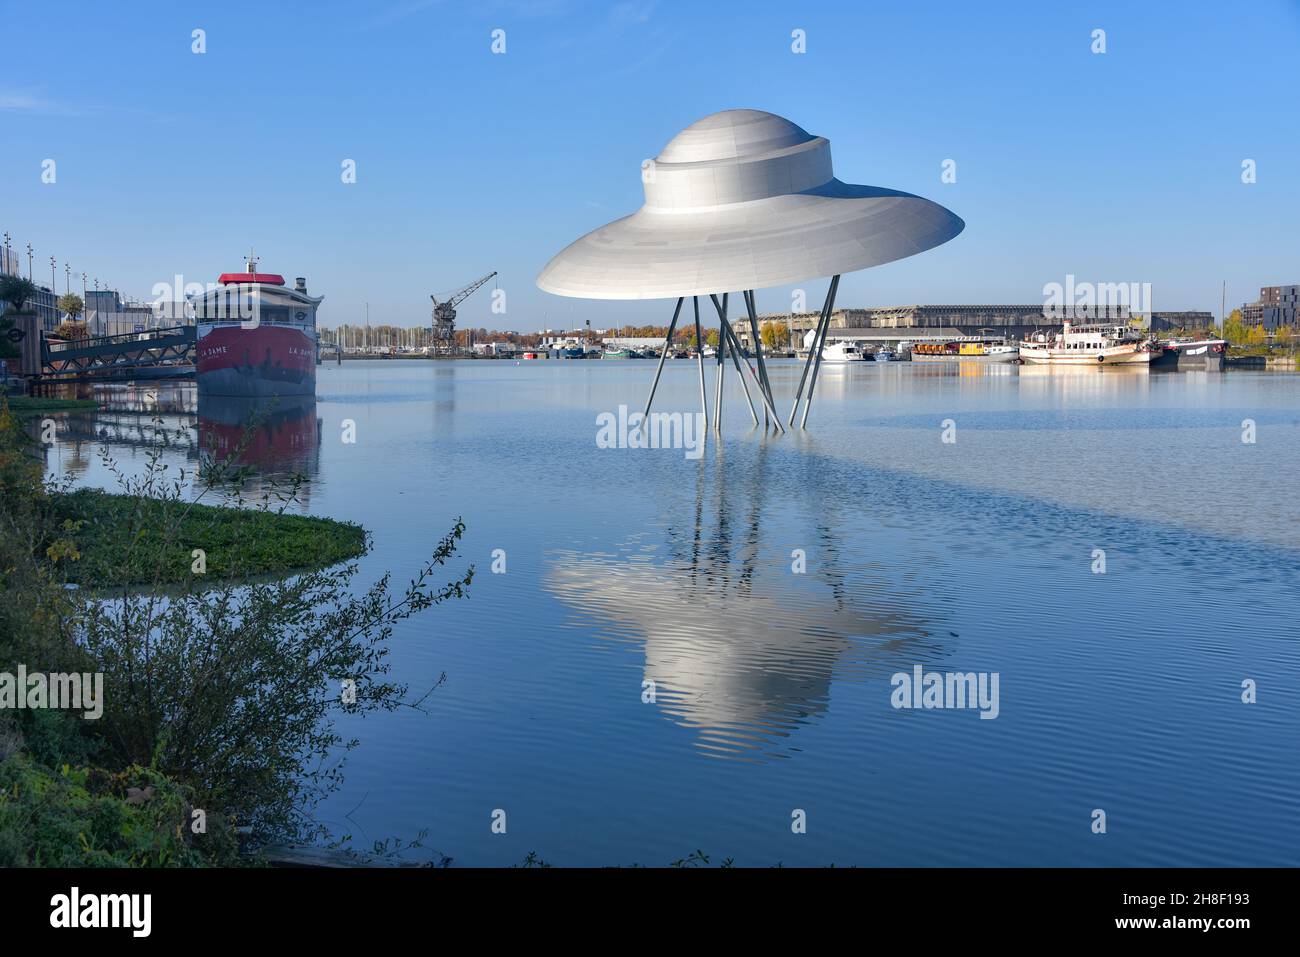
725,330
737,359
766,383
722,368
830,307
668,341
822,318
767,402
699,355
807,364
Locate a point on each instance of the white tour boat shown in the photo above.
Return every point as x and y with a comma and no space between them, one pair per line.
1088,345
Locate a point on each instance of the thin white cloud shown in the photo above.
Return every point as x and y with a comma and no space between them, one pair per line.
524,9
632,12
20,101
400,11
17,101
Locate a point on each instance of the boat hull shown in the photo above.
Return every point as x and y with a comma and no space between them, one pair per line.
1109,357
1202,354
1213,361
262,361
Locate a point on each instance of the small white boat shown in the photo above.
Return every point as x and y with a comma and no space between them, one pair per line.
885,354
842,352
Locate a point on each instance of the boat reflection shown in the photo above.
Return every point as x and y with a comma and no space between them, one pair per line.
740,649
272,436
1074,385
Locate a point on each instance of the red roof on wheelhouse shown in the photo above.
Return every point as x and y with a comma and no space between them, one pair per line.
251,275
267,278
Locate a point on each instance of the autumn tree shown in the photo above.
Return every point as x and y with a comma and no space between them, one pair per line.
775,335
71,329
1234,330
71,304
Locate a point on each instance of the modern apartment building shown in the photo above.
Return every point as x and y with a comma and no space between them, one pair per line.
1276,306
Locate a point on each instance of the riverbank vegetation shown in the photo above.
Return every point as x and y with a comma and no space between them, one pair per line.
1250,339
217,726
129,540
35,405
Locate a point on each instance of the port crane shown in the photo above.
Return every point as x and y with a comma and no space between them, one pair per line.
444,313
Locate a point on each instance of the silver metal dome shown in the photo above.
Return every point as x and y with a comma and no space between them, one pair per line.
744,199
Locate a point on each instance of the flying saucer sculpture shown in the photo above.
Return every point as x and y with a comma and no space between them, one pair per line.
745,200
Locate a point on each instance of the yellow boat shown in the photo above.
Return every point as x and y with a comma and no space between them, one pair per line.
964,351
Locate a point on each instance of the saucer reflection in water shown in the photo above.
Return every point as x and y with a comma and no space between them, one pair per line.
744,661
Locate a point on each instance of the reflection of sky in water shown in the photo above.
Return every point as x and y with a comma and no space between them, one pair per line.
1117,691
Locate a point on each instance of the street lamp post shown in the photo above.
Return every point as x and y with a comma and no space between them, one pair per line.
29,262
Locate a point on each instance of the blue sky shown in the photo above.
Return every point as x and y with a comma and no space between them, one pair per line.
1119,167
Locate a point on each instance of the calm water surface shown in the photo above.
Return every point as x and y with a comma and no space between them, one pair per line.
1119,691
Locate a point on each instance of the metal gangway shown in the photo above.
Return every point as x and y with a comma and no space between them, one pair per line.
151,354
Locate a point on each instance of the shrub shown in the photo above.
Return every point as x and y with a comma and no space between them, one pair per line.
79,817
223,693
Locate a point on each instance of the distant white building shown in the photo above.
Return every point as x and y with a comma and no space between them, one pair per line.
129,318
633,342
561,338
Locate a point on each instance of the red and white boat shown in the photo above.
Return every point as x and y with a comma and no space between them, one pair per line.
256,336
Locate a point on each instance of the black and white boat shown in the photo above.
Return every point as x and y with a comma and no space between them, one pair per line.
1191,354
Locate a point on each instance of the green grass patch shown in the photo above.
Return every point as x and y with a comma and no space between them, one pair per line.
122,539
86,817
32,405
